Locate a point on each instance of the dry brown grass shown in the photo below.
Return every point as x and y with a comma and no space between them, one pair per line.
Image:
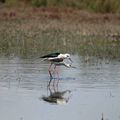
28,31
56,13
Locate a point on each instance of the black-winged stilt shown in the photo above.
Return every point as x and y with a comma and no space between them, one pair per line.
57,59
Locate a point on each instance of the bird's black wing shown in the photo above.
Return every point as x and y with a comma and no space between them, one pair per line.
50,55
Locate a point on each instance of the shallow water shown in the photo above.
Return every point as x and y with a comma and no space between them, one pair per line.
94,90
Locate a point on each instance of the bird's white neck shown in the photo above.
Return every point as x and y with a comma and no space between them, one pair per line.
63,56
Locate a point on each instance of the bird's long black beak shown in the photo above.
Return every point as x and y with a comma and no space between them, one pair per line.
70,60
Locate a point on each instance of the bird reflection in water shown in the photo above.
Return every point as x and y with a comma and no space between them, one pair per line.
55,96
52,78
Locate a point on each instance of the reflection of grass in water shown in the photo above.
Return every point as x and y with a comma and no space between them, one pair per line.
23,39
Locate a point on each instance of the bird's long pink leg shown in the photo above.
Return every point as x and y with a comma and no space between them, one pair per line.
55,69
51,77
58,77
54,75
49,69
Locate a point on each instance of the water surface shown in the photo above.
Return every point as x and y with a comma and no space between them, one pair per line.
94,90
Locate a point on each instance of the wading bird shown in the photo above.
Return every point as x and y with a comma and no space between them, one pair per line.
57,59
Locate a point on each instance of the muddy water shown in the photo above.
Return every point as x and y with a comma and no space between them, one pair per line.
91,90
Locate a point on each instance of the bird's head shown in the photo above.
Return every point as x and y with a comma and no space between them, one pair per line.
68,56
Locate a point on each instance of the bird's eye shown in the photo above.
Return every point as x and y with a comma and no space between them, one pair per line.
69,65
68,56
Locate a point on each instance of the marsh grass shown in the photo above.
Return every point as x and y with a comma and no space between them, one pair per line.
102,6
31,38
